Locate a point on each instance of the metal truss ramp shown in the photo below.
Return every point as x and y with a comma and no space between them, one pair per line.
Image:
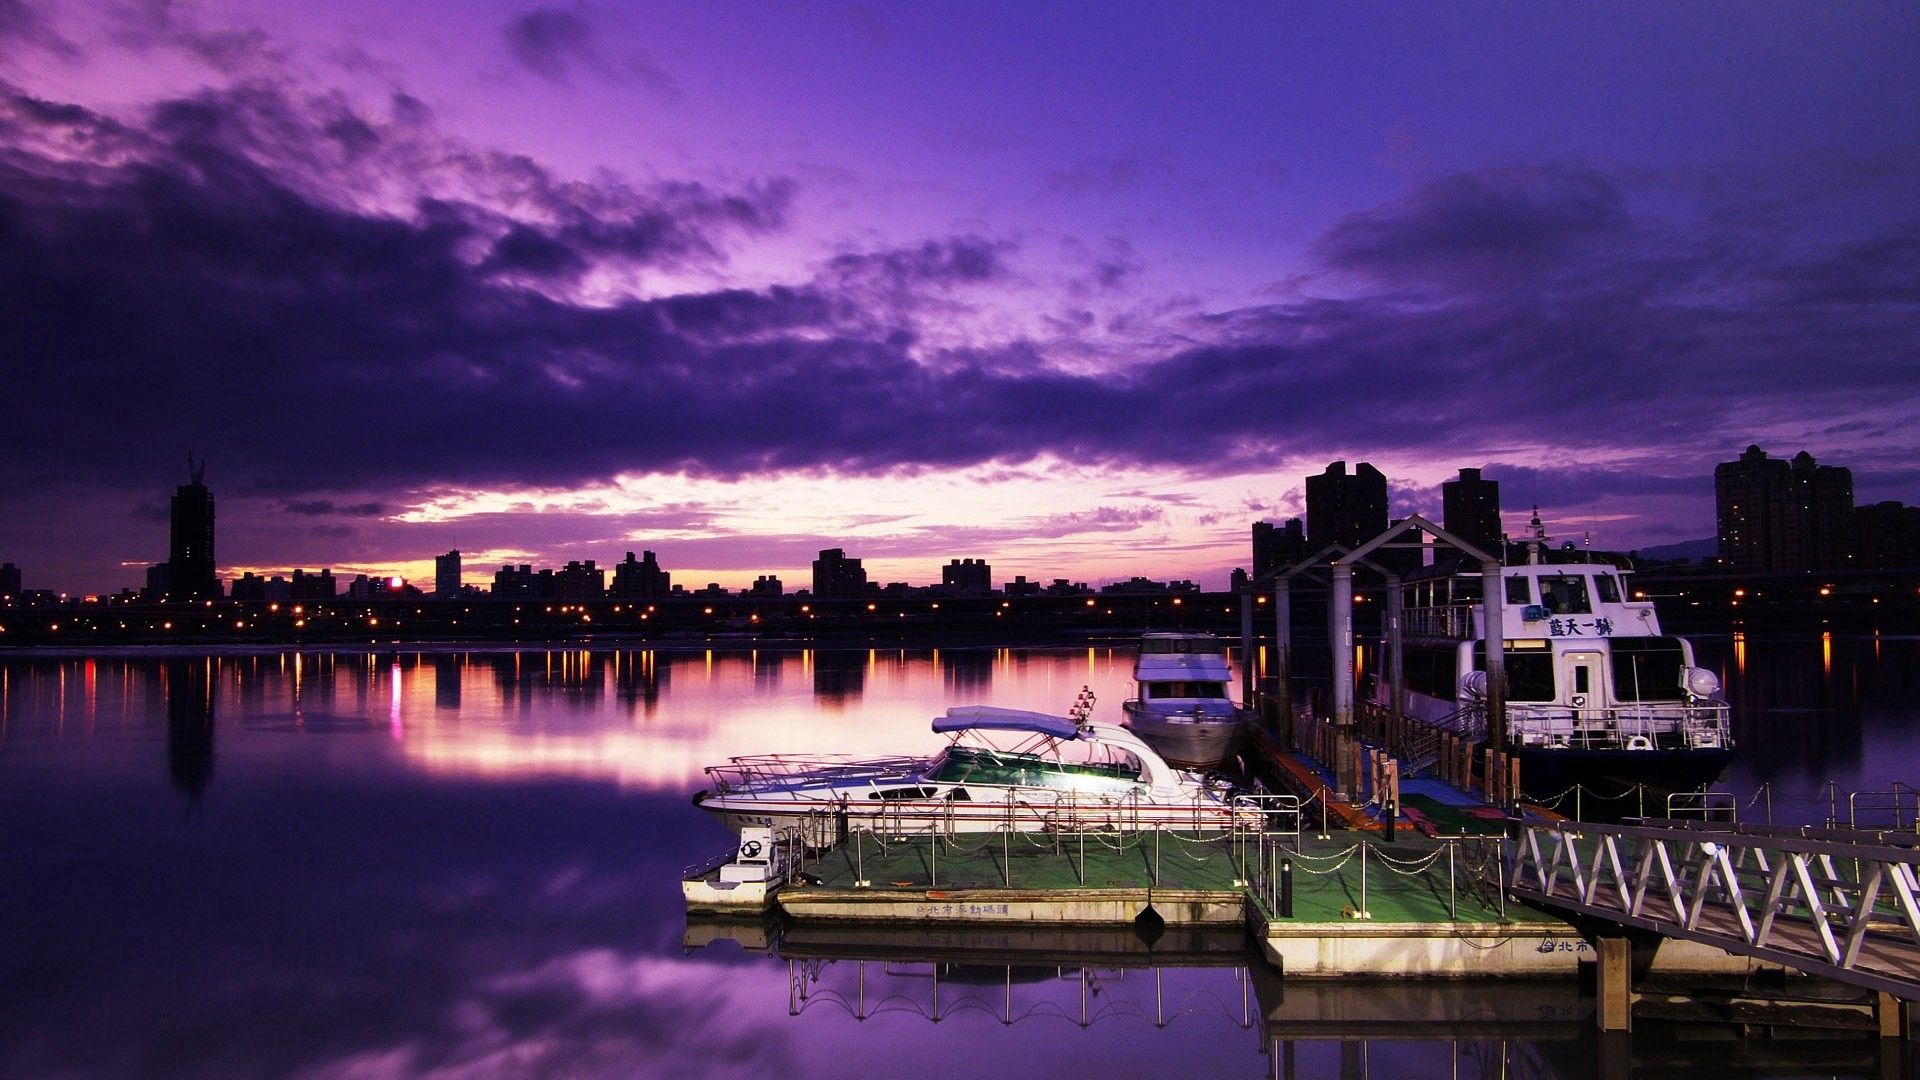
1841,903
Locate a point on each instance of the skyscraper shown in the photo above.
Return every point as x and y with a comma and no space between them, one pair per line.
1276,547
1470,510
190,573
446,574
9,581
967,577
1778,517
836,577
1343,509
640,579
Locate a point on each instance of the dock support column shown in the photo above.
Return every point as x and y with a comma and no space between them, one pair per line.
1283,655
1493,597
1340,636
1614,1011
1246,646
1396,659
1890,1013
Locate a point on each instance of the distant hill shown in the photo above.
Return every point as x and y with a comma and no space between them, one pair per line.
1688,550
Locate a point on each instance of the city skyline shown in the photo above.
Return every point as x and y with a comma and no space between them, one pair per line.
1080,296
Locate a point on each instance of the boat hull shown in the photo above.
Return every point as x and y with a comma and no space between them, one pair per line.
823,822
1616,783
1189,743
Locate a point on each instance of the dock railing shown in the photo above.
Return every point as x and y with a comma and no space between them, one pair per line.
1032,833
1475,867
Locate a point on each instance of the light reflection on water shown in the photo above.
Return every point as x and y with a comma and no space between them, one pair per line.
464,863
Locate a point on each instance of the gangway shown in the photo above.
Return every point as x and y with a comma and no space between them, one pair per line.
1837,902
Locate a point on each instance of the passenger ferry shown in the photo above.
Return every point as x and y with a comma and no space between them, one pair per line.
1596,693
1181,705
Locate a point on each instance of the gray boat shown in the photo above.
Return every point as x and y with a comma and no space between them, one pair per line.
1181,705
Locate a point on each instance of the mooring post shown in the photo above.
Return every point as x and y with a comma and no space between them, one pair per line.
1286,888
1614,1011
1891,1014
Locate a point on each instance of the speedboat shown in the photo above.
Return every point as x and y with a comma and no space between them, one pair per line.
1001,769
1181,705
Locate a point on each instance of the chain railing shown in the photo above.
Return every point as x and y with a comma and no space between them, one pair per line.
1474,867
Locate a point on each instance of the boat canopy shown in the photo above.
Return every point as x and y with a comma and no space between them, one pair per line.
993,718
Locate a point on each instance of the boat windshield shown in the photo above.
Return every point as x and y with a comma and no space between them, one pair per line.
981,765
1185,689
1178,645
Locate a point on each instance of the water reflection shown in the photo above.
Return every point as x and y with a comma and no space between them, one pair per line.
464,862
1807,710
839,675
189,692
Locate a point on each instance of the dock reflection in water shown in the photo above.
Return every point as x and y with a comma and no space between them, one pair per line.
464,862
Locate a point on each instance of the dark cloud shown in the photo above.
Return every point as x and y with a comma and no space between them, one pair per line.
963,260
327,507
23,23
176,25
222,276
1492,226
555,44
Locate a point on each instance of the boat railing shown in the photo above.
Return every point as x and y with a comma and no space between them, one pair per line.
1639,726
782,771
1442,621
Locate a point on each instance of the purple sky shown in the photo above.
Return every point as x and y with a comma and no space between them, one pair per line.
1083,289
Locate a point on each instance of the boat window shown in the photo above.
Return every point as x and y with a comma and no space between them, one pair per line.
1582,679
1647,669
1608,587
1529,672
1433,672
1565,595
1465,590
1519,590
959,794
904,793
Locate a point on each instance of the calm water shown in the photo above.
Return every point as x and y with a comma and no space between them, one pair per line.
466,863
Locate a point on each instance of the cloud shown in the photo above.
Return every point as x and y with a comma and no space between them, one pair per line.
327,507
22,22
961,260
1486,227
330,298
554,44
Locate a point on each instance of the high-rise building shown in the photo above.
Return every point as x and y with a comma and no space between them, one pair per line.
1791,516
836,577
1346,509
318,586
1470,510
515,583
9,581
766,586
1276,547
579,581
967,577
190,572
1886,536
1777,517
640,579
446,574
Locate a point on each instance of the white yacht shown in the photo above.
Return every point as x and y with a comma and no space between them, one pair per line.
1001,769
1181,705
